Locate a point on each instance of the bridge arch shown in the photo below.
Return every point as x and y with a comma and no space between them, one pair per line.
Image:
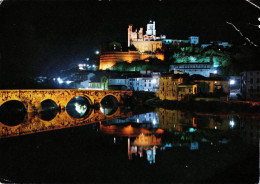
48,103
12,112
79,107
12,99
88,98
117,97
109,105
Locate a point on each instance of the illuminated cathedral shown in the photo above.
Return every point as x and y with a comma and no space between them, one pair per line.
148,42
146,46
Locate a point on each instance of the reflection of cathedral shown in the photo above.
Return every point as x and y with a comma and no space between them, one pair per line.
139,140
143,143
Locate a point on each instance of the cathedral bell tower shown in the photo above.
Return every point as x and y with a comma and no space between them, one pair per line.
151,29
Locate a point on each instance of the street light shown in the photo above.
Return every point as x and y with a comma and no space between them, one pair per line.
232,81
232,123
60,81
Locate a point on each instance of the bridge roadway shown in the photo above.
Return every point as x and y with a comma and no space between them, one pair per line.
32,98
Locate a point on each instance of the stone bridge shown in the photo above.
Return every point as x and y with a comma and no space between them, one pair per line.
32,98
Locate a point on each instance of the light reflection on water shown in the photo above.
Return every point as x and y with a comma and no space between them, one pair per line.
168,137
171,129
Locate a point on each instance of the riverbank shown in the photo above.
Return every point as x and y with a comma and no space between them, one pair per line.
203,106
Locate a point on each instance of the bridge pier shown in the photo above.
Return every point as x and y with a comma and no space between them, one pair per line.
38,107
30,108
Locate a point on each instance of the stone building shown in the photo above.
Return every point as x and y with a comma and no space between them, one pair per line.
179,87
250,85
175,87
216,83
194,68
148,42
148,46
109,59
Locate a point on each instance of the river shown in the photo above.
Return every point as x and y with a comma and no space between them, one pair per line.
161,146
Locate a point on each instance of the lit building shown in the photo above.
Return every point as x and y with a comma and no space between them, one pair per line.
218,43
186,90
109,59
150,36
194,40
216,83
145,43
144,84
194,68
118,83
235,86
250,85
179,87
173,87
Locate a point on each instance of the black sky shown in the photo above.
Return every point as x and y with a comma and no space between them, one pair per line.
45,36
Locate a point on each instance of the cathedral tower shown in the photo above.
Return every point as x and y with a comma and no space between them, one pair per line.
151,29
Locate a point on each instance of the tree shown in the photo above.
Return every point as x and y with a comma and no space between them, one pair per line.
104,83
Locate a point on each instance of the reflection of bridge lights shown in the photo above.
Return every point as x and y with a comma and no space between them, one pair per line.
232,123
81,109
137,120
215,127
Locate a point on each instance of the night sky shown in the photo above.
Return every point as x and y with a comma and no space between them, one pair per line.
45,36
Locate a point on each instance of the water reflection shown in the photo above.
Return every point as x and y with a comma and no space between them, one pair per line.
177,130
48,115
146,119
78,107
48,105
53,120
156,143
109,105
12,113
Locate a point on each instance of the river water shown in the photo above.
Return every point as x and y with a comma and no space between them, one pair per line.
161,146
